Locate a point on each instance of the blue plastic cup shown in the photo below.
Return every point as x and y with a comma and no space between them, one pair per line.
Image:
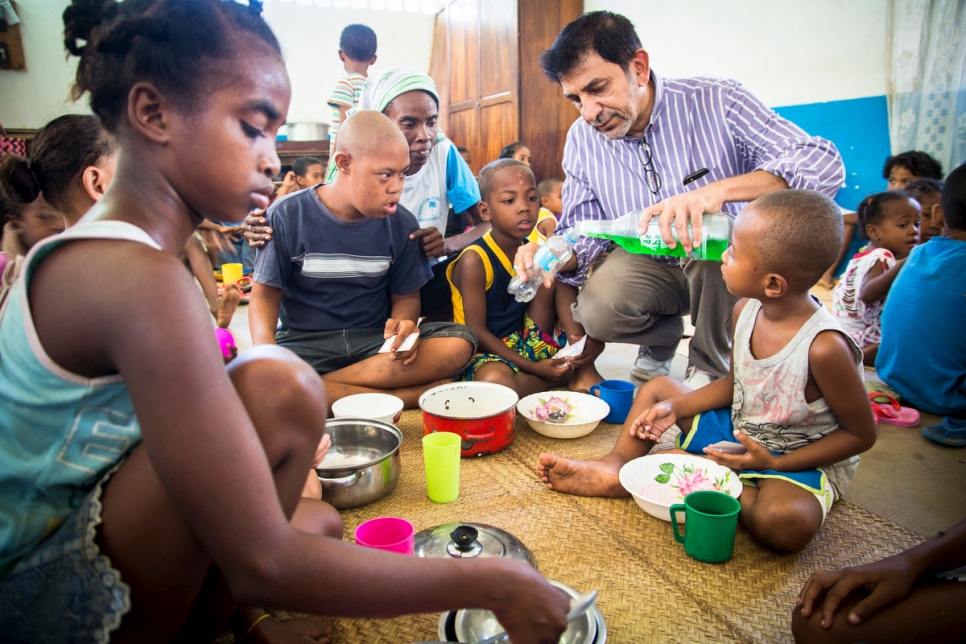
619,395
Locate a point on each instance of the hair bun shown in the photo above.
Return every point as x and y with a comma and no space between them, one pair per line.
81,20
18,181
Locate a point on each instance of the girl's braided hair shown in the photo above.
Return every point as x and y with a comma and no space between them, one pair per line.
169,43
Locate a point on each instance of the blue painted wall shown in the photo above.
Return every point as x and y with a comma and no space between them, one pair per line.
859,128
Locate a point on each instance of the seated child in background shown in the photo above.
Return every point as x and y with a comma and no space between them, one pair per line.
357,51
305,172
915,596
73,160
899,171
794,398
929,369
517,150
928,192
890,221
517,339
341,262
465,153
25,224
551,205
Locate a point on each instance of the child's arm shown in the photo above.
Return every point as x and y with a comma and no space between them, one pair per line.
833,367
877,282
469,276
657,418
890,579
263,312
404,318
546,226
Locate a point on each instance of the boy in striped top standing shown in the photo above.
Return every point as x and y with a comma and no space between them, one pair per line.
357,50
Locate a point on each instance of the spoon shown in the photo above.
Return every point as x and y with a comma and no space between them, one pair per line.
582,606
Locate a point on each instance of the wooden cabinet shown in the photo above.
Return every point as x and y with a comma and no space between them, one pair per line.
486,64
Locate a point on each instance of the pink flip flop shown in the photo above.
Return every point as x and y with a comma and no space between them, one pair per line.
891,412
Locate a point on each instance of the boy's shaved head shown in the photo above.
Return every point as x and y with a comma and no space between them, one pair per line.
801,236
490,169
367,132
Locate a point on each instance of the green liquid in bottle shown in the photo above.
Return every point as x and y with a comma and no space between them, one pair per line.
713,248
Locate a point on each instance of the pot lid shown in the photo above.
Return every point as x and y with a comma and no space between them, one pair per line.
463,540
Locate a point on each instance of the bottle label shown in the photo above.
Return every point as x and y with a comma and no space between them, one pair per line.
546,259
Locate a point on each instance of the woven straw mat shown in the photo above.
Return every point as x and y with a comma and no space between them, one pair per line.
650,590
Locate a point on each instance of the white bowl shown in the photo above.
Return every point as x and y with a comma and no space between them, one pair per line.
583,416
382,407
657,481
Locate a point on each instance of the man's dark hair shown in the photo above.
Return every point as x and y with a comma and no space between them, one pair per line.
358,42
919,164
610,35
954,199
301,165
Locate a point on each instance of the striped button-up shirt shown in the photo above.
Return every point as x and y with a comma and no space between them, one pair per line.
696,123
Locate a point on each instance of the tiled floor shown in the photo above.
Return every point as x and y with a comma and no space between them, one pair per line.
904,478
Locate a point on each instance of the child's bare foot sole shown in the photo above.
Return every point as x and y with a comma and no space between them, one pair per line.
227,303
583,478
299,630
584,379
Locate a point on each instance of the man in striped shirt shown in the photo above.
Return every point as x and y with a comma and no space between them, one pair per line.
676,149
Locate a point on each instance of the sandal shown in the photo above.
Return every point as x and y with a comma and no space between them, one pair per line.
888,410
875,387
949,432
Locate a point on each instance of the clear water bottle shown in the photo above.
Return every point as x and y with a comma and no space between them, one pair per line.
546,261
624,231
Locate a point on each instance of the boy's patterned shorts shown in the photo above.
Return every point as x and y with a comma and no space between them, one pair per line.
531,343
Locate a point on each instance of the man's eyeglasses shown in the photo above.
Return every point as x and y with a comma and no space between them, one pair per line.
651,177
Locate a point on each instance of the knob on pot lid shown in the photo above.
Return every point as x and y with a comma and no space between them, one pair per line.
463,540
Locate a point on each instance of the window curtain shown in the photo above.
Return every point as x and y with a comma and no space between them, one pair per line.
928,80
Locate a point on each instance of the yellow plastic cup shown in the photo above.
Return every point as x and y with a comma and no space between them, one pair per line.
231,273
441,455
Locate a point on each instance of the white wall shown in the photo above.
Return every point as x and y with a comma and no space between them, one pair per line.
308,33
788,52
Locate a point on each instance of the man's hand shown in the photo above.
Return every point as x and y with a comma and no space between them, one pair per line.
256,230
679,211
402,329
430,241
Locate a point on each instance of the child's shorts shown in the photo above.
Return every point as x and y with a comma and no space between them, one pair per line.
329,351
531,343
715,426
65,590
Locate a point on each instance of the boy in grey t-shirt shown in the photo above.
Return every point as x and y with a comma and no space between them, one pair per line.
342,275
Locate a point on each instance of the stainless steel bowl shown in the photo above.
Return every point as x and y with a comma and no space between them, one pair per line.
476,624
363,463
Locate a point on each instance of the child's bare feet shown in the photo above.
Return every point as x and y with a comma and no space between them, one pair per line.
299,630
225,308
584,379
827,280
583,478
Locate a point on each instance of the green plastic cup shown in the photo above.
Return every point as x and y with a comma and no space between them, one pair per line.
441,455
711,520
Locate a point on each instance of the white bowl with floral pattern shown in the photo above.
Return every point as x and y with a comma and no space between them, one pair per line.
658,481
563,414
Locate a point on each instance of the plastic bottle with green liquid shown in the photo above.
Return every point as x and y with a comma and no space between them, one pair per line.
624,231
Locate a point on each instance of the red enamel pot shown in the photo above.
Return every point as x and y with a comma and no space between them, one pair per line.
482,413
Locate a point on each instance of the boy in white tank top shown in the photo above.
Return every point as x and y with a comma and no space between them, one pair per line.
794,398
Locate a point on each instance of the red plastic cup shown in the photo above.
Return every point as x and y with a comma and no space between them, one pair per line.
391,534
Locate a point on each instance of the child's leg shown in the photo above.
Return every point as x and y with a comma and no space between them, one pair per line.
828,279
147,537
932,612
780,515
585,373
501,373
436,360
869,352
600,478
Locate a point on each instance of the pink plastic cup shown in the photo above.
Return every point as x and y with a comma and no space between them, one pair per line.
391,534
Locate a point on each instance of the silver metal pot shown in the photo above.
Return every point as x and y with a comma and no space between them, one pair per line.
363,463
308,131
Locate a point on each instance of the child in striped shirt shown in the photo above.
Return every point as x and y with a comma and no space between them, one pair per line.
357,50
